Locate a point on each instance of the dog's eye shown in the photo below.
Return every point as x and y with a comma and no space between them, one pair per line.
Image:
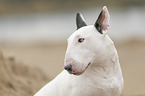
81,40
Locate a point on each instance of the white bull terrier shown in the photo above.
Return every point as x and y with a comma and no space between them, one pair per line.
91,63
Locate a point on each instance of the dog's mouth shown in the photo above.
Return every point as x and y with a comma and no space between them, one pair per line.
79,73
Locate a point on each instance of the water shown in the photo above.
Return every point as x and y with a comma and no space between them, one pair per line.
56,27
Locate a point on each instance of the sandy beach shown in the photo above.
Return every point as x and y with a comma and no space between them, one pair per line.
49,59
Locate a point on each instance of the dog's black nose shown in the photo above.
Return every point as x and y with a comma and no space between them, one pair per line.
68,68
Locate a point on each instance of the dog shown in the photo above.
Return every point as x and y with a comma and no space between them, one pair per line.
91,63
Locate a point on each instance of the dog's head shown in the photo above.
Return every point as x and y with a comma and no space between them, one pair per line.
87,44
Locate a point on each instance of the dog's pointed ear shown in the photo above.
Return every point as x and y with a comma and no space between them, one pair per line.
80,22
102,23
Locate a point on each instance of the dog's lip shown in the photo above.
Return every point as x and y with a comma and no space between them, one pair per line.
88,65
79,73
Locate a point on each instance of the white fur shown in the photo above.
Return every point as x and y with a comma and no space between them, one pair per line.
103,77
94,63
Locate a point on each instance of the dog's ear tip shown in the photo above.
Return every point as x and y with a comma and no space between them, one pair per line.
102,23
78,13
104,7
80,21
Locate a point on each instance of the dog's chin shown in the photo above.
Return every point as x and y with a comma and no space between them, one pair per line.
76,73
79,73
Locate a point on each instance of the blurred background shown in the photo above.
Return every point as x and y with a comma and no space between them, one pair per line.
33,34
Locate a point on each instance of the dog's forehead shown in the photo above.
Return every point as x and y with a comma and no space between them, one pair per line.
83,32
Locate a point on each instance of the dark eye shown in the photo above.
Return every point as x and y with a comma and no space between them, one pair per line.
81,40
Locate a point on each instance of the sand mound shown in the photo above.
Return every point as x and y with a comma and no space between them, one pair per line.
19,80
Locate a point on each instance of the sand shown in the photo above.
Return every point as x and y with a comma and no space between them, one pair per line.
17,79
48,58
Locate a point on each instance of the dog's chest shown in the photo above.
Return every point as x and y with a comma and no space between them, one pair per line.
94,87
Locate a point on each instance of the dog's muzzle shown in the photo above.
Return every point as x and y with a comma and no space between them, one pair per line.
69,69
